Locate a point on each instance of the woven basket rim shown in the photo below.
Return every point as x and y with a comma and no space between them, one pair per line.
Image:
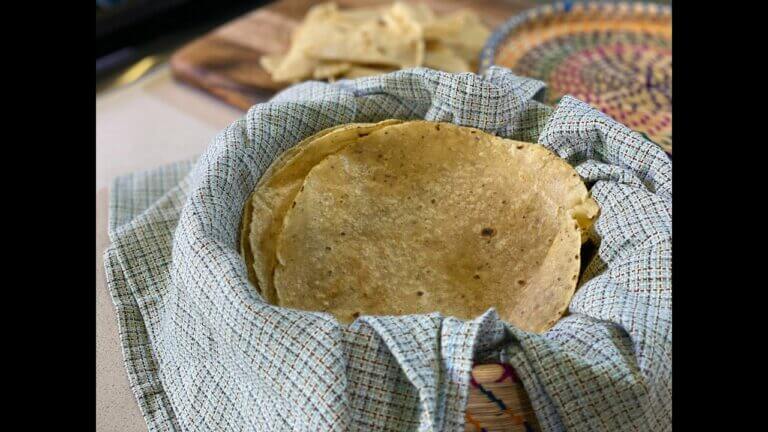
505,30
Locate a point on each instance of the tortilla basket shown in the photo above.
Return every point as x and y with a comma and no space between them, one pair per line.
204,352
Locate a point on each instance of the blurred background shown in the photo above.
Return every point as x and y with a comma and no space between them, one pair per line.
128,31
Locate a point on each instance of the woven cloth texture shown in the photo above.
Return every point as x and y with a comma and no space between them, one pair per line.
204,352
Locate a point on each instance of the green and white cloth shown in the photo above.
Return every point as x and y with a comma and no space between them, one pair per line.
204,352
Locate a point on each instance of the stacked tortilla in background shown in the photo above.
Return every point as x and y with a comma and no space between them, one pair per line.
331,43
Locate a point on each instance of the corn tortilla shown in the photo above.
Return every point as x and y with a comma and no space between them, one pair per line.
416,217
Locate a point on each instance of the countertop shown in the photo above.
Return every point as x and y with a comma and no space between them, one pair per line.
149,123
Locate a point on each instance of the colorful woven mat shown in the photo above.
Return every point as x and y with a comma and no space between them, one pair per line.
615,56
498,401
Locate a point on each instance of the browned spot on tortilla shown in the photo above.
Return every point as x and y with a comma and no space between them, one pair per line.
488,232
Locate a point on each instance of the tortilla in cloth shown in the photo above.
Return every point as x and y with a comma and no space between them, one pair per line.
204,352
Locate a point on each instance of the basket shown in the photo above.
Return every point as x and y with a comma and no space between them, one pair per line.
498,401
615,56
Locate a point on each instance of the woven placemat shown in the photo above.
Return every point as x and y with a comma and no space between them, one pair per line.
498,401
615,56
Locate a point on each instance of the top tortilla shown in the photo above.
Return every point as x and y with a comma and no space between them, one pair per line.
418,217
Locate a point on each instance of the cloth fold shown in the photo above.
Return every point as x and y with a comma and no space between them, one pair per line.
204,352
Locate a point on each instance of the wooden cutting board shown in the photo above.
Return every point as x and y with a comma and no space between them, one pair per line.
225,62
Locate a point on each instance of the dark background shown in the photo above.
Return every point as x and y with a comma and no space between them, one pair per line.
131,29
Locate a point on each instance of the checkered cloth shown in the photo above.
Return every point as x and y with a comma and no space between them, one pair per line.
204,352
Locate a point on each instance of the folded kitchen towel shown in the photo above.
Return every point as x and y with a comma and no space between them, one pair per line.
204,352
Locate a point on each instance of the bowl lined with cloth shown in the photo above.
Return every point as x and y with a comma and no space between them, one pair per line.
204,350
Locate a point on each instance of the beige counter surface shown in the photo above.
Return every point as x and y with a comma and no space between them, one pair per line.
147,124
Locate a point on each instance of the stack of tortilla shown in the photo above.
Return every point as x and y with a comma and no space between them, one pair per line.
331,43
414,217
